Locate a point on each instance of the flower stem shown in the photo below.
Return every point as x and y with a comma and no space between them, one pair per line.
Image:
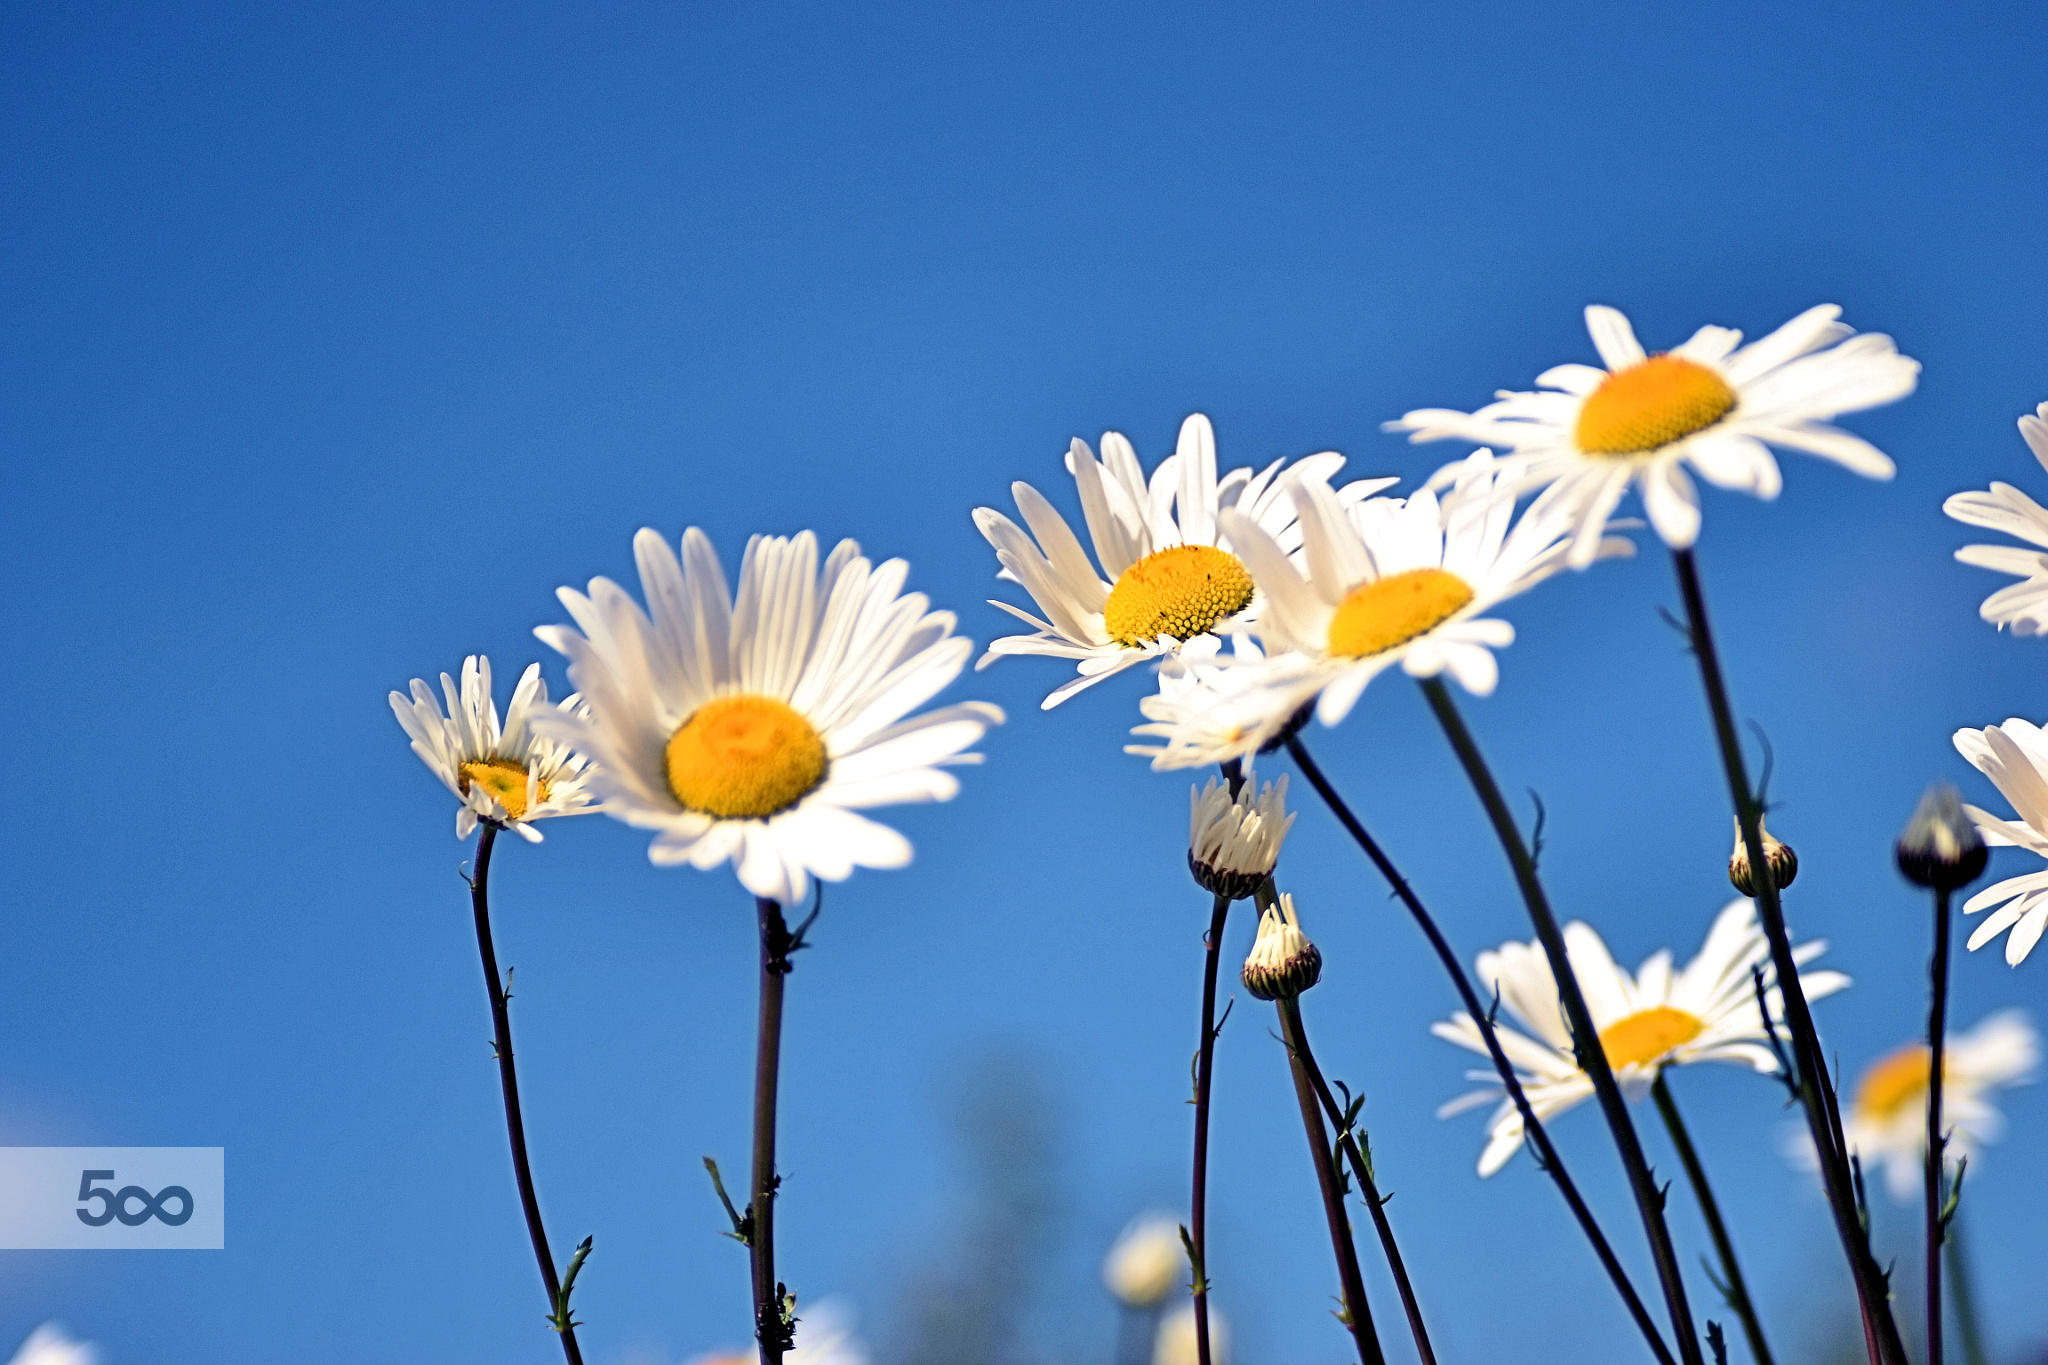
1198,1202
1968,1325
772,1328
1937,1025
508,1081
1357,1316
1586,1038
1546,1154
1717,1227
1816,1091
1369,1191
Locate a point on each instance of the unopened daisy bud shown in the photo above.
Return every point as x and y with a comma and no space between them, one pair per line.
1784,863
1233,842
1941,848
1283,963
1147,1262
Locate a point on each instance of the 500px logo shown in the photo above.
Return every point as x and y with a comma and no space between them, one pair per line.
114,1203
112,1198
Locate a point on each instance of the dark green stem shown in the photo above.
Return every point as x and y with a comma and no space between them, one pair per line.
508,1082
1585,1037
1816,1090
1198,1203
1717,1228
1937,1025
1356,1315
1546,1153
772,1328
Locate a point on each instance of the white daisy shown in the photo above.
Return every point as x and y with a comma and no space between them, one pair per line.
1399,581
512,775
2015,757
1234,841
1209,710
1705,1012
50,1345
1166,574
1147,1261
753,730
1886,1121
824,1336
2022,605
1711,403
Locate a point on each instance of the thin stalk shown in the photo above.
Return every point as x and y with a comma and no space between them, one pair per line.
1546,1153
1816,1091
1968,1325
1368,1190
1937,1026
1717,1228
1586,1038
1198,1202
771,1328
508,1081
1357,1316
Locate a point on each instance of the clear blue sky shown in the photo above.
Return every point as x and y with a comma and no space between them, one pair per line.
338,336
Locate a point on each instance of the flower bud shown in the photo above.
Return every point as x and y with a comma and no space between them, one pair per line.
1941,848
1283,963
1784,863
1233,842
1147,1262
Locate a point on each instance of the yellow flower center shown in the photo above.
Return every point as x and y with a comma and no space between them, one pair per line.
1651,404
1895,1083
1180,591
1647,1035
504,780
744,757
1377,616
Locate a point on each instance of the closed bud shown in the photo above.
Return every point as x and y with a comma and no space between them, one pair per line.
1283,963
1784,863
1234,841
1941,848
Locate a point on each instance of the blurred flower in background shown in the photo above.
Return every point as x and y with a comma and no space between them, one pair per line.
1175,1342
1886,1121
49,1345
824,1336
1147,1261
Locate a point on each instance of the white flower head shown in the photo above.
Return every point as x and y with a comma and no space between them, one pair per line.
1146,1262
1234,840
1211,710
512,774
1164,572
1704,1012
1885,1122
754,729
1174,1343
2015,757
1711,403
2003,508
1397,581
50,1345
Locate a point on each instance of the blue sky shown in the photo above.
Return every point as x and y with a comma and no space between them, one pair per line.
339,336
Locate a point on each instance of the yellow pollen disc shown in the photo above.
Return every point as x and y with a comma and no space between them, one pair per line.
504,780
744,757
1651,404
1895,1083
1377,616
1647,1035
1179,591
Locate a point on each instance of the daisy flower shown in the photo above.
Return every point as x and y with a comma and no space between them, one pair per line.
1234,841
1399,581
1711,403
754,729
1163,573
510,775
2022,605
1145,1264
1886,1121
1704,1012
1211,709
2015,757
